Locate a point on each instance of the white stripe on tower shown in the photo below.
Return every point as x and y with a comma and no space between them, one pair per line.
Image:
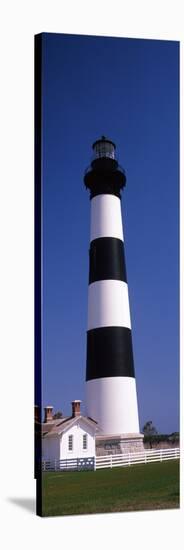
108,304
110,401
111,397
106,220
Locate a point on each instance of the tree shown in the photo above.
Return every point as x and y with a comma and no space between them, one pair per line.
149,432
149,429
57,415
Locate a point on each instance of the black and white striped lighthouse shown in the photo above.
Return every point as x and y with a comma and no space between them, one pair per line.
111,397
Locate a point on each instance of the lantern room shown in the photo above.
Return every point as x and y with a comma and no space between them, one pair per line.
104,148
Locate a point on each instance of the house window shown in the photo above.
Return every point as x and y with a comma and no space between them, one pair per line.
85,441
70,442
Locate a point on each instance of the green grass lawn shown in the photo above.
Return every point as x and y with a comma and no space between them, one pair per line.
152,486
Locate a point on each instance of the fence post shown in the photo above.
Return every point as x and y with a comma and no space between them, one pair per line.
94,463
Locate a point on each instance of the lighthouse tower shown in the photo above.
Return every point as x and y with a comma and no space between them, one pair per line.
111,397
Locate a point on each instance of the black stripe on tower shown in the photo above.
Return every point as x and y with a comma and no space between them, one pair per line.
109,353
107,260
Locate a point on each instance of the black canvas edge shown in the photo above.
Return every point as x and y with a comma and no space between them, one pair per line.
38,39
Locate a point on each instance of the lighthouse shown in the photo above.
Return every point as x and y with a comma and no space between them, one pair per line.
111,396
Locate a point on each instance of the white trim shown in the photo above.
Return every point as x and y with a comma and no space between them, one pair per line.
75,420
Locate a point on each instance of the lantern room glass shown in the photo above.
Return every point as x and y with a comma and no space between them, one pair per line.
104,149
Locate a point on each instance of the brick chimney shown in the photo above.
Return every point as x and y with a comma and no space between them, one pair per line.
48,413
76,407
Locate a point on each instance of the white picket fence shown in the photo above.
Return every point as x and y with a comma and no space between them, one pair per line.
111,461
67,464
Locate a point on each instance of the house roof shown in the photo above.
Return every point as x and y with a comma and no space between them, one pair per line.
52,424
57,427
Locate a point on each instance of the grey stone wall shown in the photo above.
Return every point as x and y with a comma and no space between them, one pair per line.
118,446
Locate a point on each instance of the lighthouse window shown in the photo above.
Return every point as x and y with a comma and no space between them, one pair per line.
85,441
70,442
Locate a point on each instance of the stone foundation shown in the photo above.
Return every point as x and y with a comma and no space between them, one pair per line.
119,444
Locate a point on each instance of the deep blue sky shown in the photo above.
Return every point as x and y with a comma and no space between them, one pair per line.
127,89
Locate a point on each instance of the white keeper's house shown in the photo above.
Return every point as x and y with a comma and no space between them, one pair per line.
68,437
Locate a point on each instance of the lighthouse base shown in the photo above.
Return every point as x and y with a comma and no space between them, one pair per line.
119,444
